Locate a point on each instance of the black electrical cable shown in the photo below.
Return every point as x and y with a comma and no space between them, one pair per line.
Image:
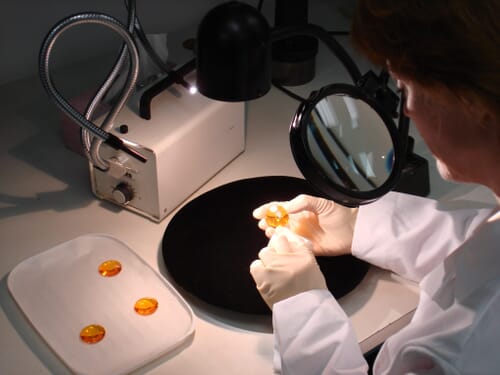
139,32
288,92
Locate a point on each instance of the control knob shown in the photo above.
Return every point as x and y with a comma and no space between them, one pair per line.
123,193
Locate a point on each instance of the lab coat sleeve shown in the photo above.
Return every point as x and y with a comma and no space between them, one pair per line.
314,336
410,235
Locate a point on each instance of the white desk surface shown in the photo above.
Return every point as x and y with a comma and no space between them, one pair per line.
45,199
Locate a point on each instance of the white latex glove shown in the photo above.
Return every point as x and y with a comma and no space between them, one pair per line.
328,225
286,267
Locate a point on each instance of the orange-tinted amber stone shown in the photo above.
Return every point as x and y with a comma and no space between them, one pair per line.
146,306
92,333
110,268
276,215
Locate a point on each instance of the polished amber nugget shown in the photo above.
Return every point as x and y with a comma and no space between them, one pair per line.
146,306
110,268
92,333
276,215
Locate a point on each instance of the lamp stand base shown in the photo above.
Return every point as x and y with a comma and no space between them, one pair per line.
293,73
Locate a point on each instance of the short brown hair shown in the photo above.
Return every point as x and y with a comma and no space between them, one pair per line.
455,43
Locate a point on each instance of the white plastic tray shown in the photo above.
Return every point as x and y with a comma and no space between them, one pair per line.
61,291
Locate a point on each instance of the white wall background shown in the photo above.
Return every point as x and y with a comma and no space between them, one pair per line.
25,23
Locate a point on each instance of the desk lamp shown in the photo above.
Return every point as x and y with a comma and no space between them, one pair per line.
343,137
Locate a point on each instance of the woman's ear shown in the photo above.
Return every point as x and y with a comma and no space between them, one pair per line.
489,120
485,116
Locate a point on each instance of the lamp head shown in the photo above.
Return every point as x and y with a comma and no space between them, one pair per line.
233,53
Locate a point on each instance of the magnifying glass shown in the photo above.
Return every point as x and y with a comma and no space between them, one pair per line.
347,145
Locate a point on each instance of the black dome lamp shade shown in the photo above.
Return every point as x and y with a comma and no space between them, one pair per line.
233,53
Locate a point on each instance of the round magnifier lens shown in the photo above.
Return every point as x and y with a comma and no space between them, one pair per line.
346,146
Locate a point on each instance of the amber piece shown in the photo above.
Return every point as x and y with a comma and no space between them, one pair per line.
92,333
146,306
276,215
110,268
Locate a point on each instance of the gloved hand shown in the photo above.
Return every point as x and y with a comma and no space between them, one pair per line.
286,267
328,225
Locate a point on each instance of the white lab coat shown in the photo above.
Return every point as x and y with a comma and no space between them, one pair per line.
455,257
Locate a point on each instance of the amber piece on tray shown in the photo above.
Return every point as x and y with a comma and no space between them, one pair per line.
110,268
92,333
276,215
146,306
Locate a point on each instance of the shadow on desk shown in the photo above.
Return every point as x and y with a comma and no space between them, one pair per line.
39,165
63,200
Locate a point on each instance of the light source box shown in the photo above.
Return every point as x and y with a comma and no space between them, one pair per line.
188,139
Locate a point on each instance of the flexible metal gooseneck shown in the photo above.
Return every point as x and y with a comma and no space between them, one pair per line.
84,121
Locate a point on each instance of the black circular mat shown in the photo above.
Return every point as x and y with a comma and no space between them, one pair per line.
209,244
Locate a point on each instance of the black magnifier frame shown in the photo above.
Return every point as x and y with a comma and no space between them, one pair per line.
314,173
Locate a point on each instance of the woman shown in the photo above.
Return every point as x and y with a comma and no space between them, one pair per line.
444,55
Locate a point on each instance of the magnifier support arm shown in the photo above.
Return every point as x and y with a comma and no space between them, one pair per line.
321,34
